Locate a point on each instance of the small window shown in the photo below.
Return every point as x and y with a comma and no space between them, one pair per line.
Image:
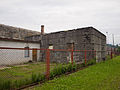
70,46
26,51
50,46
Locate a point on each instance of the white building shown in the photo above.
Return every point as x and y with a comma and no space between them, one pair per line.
15,56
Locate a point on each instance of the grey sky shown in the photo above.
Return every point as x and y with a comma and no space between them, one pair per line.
59,15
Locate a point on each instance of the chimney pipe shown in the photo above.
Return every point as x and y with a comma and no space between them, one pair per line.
42,29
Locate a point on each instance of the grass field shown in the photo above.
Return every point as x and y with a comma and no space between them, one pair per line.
22,72
102,76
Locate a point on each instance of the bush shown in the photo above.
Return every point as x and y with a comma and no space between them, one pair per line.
22,82
61,69
91,62
37,77
74,67
69,67
80,65
5,85
108,57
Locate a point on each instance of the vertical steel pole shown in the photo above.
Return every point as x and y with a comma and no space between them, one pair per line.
47,64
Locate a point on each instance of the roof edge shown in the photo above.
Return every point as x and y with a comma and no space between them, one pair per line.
17,40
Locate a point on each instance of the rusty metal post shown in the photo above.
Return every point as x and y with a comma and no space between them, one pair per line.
72,56
111,54
47,64
85,57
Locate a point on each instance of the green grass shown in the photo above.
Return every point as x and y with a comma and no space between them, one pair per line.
22,75
18,72
102,76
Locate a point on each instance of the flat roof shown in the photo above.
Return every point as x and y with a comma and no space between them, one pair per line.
75,29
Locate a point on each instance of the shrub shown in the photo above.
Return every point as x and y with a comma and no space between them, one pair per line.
91,62
5,85
69,67
108,57
61,69
34,78
80,65
74,67
37,77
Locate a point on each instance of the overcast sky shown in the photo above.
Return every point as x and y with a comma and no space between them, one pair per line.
58,15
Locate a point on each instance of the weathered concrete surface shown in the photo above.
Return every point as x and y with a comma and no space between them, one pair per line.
87,38
15,33
33,38
83,39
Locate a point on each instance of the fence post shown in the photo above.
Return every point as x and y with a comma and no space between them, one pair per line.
47,64
95,54
85,56
72,56
114,51
111,54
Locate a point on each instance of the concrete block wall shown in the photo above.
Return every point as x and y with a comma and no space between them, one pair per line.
99,41
83,39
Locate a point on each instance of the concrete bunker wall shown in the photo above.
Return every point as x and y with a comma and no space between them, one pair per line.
83,39
99,41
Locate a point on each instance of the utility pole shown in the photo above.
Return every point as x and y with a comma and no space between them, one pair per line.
113,39
107,42
107,38
113,44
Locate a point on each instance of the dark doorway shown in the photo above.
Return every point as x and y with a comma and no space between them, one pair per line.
34,54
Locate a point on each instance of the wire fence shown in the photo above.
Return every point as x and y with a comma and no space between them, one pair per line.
24,63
